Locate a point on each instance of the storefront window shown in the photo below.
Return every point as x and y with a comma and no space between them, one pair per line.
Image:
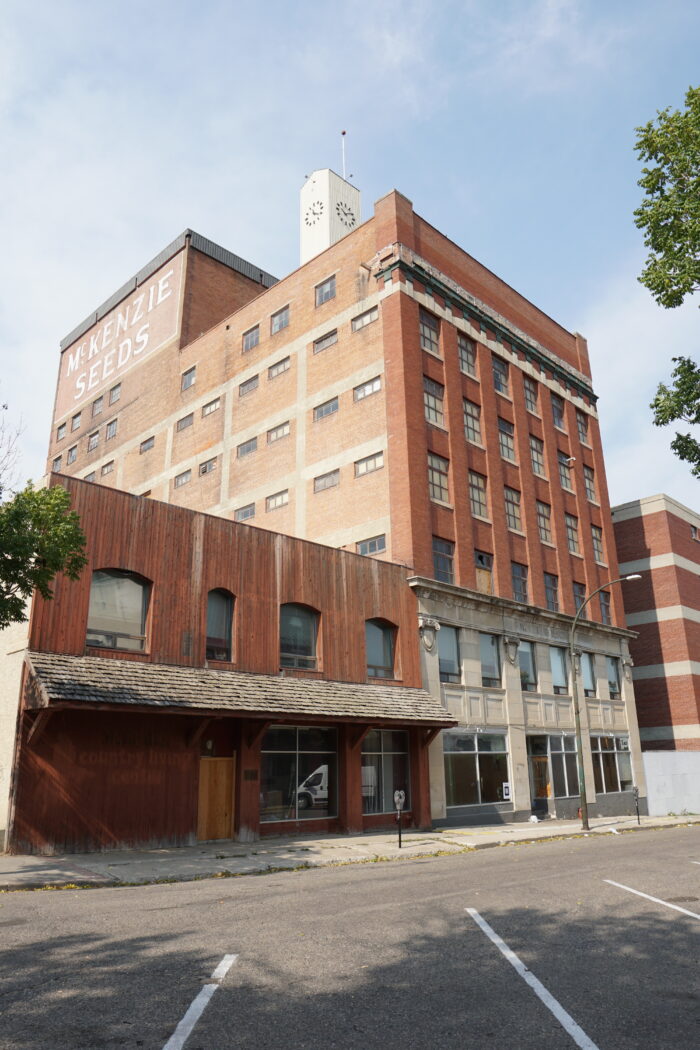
298,773
476,767
384,770
553,767
526,661
490,661
612,766
448,653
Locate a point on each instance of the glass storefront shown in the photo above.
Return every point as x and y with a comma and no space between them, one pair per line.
476,767
553,765
298,773
612,764
385,769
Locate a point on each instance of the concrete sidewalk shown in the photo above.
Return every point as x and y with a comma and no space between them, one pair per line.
227,858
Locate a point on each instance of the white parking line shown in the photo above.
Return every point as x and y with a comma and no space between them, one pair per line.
656,900
565,1020
199,1004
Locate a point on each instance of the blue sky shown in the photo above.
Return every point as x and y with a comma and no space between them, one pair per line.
508,123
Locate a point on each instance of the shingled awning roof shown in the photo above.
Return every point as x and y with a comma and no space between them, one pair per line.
60,679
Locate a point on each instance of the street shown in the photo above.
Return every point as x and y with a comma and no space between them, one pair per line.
390,955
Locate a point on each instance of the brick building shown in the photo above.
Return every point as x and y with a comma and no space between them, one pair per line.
660,538
394,398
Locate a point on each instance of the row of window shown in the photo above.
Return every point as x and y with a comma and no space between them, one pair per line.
429,333
97,407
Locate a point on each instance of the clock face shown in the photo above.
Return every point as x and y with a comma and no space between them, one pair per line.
345,214
313,213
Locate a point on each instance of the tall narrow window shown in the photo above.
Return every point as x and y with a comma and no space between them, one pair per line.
385,769
613,677
579,595
448,654
605,616
438,477
472,421
477,494
188,378
512,505
506,439
564,462
379,644
558,411
298,632
537,455
530,388
572,533
519,580
483,563
597,539
490,661
118,610
582,426
466,348
557,663
500,375
526,662
429,328
219,621
588,674
443,560
551,591
589,482
433,399
544,521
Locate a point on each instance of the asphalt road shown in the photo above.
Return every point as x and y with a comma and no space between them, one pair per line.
376,955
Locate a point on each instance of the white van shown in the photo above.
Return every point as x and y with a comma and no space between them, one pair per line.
314,790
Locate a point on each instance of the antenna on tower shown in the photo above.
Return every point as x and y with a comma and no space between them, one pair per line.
342,141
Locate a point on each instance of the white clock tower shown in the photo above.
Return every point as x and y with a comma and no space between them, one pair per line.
330,208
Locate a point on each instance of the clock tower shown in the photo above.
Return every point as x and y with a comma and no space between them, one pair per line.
330,208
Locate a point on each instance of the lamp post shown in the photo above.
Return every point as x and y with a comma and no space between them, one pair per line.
574,690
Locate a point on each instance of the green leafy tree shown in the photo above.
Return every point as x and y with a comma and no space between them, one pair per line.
670,218
40,536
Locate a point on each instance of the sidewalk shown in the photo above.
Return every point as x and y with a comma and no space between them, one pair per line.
228,858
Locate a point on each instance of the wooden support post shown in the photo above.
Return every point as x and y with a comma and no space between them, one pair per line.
247,819
350,776
38,726
420,780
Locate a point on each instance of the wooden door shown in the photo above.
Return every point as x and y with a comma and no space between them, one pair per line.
215,814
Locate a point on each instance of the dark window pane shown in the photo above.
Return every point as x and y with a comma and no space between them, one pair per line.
280,738
558,776
379,642
572,772
493,772
609,771
317,739
298,627
461,784
448,654
219,618
278,783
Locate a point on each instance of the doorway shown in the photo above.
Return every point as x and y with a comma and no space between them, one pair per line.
216,796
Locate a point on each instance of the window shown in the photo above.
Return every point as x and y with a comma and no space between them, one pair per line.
476,767
506,442
211,406
278,432
477,494
588,674
500,375
582,426
243,513
433,394
531,391
188,378
207,467
185,422
246,447
564,462
325,291
147,445
589,482
298,773
111,429
249,386
91,476
277,499
572,533
362,320
528,672
563,782
466,348
279,320
537,455
604,599
368,464
373,545
612,766
490,661
182,479
438,472
597,539
384,770
75,421
429,328
219,622
72,454
551,591
448,654
118,610
443,560
97,406
61,432
93,440
544,521
107,468
278,368
379,645
557,663
298,633
519,580
579,595
325,341
326,409
115,393
365,389
251,338
327,481
56,465
558,411
613,665
472,421
512,503
483,564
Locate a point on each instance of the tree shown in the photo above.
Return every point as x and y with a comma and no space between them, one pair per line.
40,536
670,218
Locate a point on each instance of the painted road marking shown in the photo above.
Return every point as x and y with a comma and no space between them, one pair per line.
199,1004
565,1020
656,900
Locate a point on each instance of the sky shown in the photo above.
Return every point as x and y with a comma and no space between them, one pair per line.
510,124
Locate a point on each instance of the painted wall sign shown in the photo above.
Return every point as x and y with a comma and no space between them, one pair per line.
141,324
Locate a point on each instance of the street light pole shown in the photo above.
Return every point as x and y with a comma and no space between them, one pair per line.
583,801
